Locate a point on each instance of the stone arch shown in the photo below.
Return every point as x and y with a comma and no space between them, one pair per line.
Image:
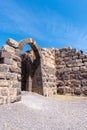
29,67
10,70
31,42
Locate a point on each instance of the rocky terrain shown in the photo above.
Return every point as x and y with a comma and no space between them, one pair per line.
36,112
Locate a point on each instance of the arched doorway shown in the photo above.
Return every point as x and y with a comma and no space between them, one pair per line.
30,61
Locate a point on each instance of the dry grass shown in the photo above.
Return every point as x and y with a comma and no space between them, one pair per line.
67,97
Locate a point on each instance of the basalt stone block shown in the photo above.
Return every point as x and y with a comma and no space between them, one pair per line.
16,58
84,90
84,75
4,92
4,53
74,57
14,69
77,91
6,61
3,83
18,98
84,83
12,43
75,68
9,49
76,83
16,84
67,82
61,90
11,76
83,68
4,68
67,89
60,83
2,75
18,91
80,64
18,52
84,60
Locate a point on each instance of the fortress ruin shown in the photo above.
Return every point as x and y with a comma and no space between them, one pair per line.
46,71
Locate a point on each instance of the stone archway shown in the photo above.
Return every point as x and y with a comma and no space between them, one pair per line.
29,64
10,70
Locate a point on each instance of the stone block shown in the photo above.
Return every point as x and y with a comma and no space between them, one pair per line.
75,57
75,68
4,68
6,61
85,60
67,89
75,83
84,82
14,69
60,83
78,60
18,91
83,68
5,54
2,75
3,83
77,91
83,75
16,58
11,76
84,90
4,91
16,84
61,90
12,43
19,64
9,49
19,77
80,64
18,52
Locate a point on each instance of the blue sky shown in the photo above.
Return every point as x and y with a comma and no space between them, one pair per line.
52,23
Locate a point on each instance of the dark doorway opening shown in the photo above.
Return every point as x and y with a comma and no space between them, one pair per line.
27,70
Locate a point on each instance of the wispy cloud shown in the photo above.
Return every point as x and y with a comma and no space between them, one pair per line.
47,26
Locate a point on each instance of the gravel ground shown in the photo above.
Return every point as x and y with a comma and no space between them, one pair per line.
36,112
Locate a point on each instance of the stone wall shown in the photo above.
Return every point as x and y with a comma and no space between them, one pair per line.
10,73
11,70
71,71
48,68
53,71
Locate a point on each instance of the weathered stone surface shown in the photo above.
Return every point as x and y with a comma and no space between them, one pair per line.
2,75
4,92
16,58
6,61
16,84
5,54
1,100
50,70
19,77
84,83
61,90
4,68
77,91
11,76
3,83
84,90
14,69
12,43
67,89
9,49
